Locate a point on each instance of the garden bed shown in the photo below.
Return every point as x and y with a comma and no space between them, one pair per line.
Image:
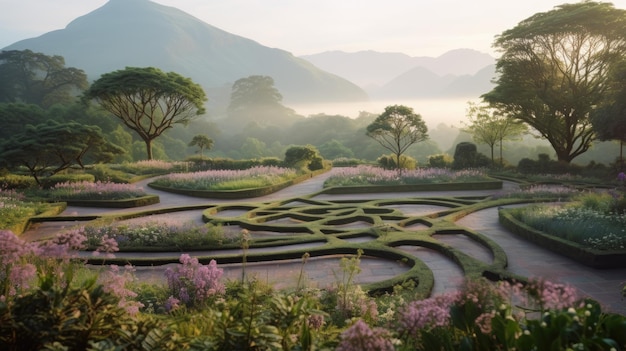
447,186
239,193
579,253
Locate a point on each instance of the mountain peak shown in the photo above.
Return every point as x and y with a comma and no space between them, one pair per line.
143,33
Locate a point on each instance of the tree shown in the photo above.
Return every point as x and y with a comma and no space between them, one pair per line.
397,129
35,78
15,116
51,147
609,120
489,126
147,100
203,142
554,69
255,99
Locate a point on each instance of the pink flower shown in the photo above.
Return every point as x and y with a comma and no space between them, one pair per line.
360,337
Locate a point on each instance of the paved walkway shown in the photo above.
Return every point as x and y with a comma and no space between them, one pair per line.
525,258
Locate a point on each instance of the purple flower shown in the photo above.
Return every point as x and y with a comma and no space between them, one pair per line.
621,177
360,337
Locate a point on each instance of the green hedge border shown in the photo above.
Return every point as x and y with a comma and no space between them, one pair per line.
242,193
364,189
589,257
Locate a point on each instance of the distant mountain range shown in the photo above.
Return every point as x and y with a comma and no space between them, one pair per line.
142,33
457,73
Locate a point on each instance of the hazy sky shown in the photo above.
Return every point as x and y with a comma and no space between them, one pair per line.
414,27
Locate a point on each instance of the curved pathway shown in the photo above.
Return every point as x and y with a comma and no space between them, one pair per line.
524,258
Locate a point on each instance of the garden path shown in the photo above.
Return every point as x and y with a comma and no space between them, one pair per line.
524,258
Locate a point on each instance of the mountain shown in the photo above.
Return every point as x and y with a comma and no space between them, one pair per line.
142,33
385,73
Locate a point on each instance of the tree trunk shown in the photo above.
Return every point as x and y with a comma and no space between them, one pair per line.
149,148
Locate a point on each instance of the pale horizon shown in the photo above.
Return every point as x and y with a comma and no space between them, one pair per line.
304,27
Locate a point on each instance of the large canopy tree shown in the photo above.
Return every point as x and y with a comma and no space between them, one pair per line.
489,126
397,128
609,120
148,100
554,70
50,147
35,78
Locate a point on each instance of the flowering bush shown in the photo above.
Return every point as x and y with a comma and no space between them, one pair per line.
95,191
153,167
370,175
193,283
157,234
228,179
539,191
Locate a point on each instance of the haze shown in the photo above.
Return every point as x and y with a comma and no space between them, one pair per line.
417,28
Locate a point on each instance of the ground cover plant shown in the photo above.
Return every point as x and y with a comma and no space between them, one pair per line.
15,209
217,180
596,220
371,175
45,304
164,234
94,191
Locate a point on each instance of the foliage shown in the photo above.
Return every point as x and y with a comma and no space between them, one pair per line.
397,129
203,142
157,234
389,162
52,147
15,116
147,100
227,179
554,70
15,209
467,156
369,175
193,283
489,126
255,100
440,161
36,78
301,157
151,167
94,191
591,220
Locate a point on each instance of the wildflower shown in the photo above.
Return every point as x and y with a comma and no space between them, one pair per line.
621,177
360,337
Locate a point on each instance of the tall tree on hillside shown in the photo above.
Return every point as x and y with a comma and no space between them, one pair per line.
147,100
553,71
255,99
35,78
489,126
397,129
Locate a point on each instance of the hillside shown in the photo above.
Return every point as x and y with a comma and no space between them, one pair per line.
460,72
142,33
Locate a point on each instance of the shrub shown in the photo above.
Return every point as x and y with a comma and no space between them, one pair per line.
389,162
52,181
18,182
440,161
103,173
466,155
192,283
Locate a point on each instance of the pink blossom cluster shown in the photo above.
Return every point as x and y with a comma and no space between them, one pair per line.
376,175
426,314
16,270
204,179
360,337
108,246
192,282
95,190
115,281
